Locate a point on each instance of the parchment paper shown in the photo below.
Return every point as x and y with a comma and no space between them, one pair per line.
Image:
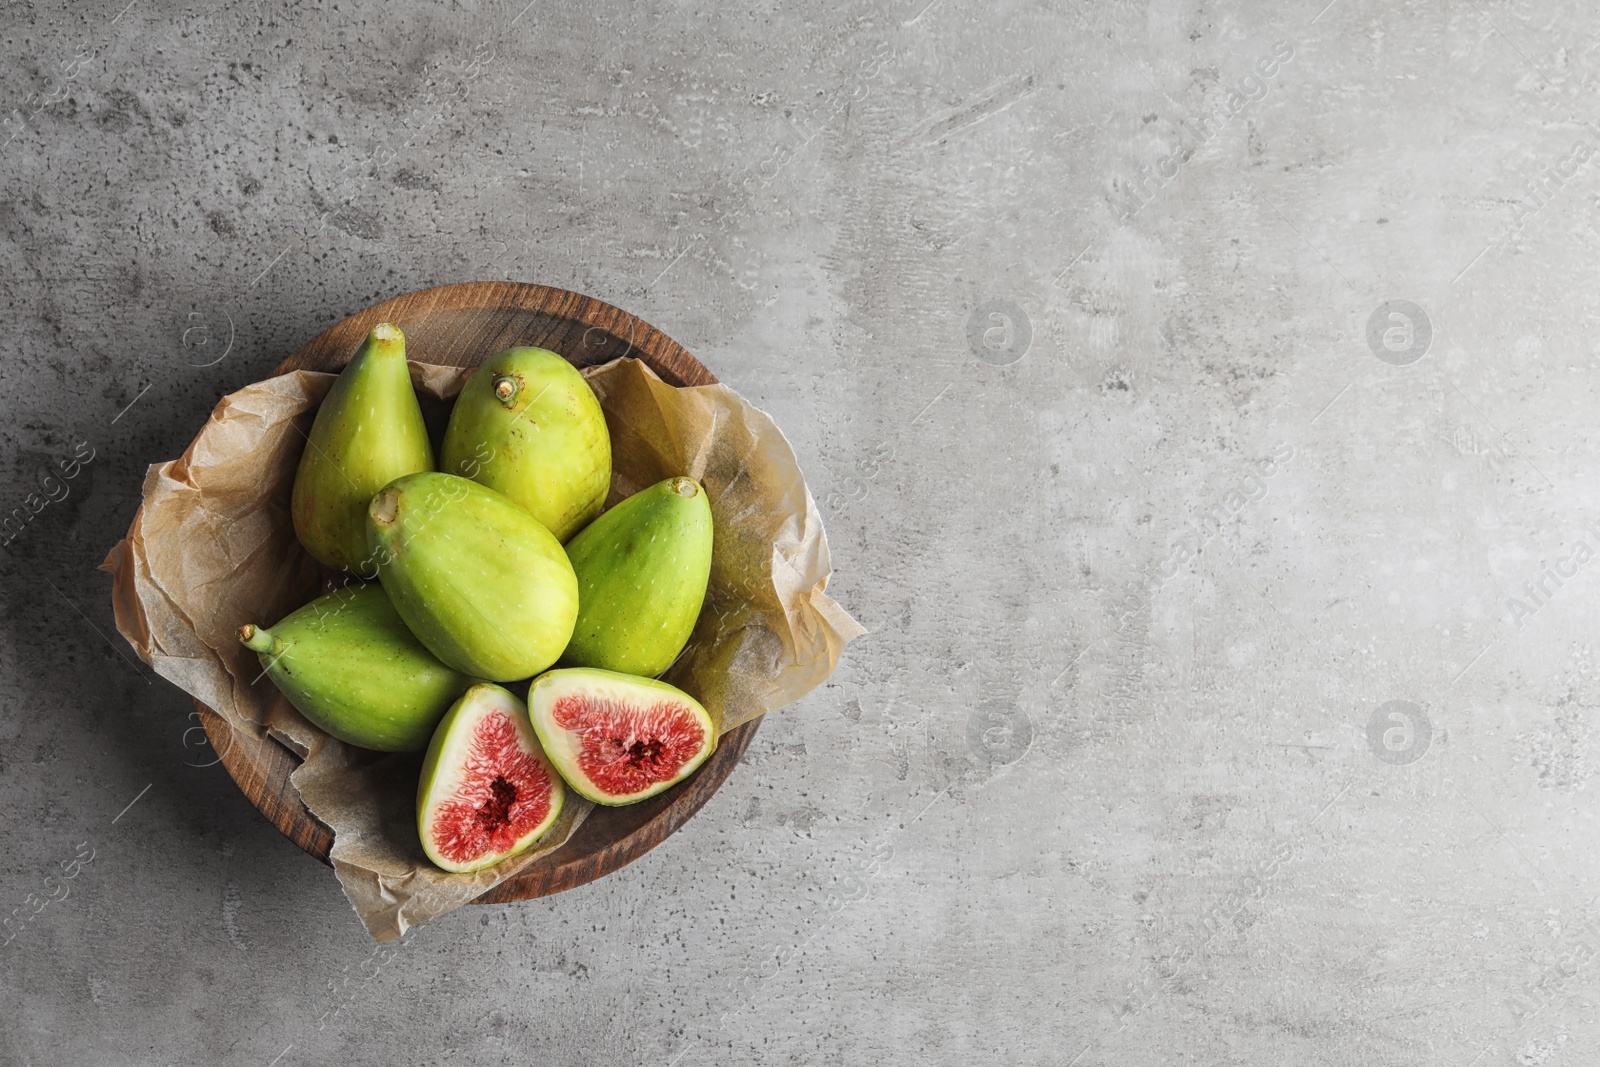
212,547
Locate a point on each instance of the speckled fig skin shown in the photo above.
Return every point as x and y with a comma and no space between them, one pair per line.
478,579
642,570
351,666
527,425
368,432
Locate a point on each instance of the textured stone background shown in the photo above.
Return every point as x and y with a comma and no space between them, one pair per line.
1153,502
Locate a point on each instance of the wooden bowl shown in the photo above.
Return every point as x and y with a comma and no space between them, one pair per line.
461,325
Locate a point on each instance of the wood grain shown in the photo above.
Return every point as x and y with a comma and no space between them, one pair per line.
461,325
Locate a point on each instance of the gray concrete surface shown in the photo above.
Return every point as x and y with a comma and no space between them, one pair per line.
1202,398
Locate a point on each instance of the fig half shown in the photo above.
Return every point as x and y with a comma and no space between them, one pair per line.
487,791
617,738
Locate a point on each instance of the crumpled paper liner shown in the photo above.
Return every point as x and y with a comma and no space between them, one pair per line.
212,547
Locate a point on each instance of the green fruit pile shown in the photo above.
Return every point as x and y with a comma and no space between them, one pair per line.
494,569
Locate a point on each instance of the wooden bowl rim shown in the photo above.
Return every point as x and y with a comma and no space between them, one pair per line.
260,767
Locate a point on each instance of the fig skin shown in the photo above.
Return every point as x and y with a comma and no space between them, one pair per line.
477,578
368,432
527,425
351,666
560,747
446,754
642,570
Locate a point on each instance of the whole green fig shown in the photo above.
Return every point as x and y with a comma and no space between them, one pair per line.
350,665
642,570
479,580
527,425
367,433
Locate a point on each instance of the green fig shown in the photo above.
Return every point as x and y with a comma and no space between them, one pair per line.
350,665
478,579
527,425
367,433
642,569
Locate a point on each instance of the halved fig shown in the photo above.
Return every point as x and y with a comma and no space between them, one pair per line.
487,791
617,738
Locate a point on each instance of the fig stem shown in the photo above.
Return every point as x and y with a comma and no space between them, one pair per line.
386,339
384,507
685,487
505,388
257,638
